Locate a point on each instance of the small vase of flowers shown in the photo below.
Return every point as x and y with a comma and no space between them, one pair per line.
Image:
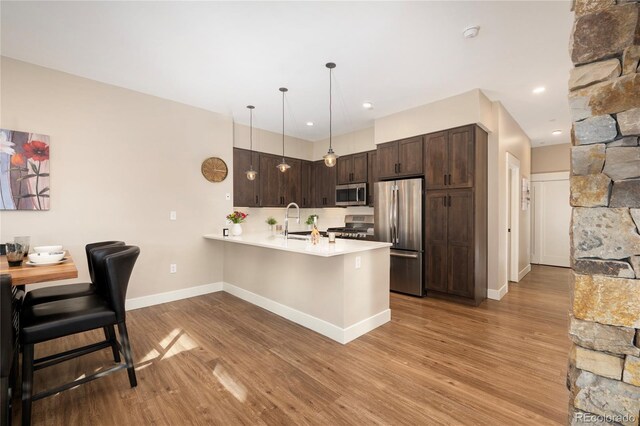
236,218
271,221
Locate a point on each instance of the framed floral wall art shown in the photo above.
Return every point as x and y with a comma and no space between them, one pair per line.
24,171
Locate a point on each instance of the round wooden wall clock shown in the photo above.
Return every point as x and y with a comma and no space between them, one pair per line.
214,169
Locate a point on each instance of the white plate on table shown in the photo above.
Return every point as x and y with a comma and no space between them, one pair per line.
30,263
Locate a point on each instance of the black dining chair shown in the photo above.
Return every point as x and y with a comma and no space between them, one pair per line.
10,299
106,307
67,291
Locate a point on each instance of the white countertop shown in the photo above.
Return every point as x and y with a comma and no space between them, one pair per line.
323,249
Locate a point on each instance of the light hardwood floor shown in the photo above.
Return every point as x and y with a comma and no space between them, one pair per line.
216,359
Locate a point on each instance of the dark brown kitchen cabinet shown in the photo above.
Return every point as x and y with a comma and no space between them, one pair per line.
245,192
400,158
372,176
306,172
352,168
455,216
449,158
277,188
324,185
271,181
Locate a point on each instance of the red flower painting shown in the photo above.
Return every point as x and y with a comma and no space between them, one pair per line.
24,171
36,150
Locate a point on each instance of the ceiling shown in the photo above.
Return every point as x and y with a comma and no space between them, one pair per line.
222,56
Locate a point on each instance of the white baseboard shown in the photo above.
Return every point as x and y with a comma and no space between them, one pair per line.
366,325
524,272
341,335
498,294
170,296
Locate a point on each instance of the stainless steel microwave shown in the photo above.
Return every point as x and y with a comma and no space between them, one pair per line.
354,194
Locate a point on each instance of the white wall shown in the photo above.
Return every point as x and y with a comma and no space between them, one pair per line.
466,108
120,161
512,139
269,142
349,143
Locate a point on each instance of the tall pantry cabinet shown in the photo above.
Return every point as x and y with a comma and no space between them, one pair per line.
455,165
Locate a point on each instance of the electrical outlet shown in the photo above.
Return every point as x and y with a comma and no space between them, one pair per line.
173,215
358,262
173,268
227,196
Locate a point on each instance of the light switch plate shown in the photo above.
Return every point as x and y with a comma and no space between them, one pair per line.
358,262
227,196
173,215
173,268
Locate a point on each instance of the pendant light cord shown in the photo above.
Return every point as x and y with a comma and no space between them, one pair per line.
251,135
330,110
283,126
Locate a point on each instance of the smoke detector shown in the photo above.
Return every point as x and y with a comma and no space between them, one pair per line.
471,32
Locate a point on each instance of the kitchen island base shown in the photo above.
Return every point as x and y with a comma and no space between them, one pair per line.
341,296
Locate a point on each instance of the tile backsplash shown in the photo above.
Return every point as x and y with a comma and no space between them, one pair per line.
327,217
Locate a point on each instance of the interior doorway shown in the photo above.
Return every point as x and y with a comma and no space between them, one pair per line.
513,217
551,219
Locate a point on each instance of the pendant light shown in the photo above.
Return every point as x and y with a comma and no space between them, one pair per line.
330,157
283,167
251,174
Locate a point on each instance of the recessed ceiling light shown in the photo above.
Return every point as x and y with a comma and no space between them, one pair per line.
309,123
556,132
367,105
471,32
539,90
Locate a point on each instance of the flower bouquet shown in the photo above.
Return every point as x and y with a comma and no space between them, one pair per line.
237,217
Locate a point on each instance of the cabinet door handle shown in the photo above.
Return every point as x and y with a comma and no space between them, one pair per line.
256,199
445,178
304,201
399,167
449,179
444,201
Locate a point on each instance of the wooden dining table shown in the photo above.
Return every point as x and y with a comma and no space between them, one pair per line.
26,274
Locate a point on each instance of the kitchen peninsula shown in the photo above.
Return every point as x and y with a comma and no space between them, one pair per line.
340,290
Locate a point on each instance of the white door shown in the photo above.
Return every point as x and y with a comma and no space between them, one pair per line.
551,219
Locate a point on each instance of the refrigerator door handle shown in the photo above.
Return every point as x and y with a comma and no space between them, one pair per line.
405,255
394,200
395,208
391,219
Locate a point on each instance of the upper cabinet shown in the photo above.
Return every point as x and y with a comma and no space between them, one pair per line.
449,159
323,185
306,172
278,189
400,158
352,168
245,192
372,176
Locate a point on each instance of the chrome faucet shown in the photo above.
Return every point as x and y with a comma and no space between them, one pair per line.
286,218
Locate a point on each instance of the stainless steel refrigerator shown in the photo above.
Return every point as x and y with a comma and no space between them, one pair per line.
398,220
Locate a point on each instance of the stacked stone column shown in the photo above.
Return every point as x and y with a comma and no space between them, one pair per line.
604,96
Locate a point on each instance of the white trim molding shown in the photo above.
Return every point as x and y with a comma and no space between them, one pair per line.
340,335
545,177
524,272
497,294
512,207
171,296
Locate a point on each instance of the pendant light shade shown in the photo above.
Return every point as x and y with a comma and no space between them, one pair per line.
330,158
283,167
251,174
